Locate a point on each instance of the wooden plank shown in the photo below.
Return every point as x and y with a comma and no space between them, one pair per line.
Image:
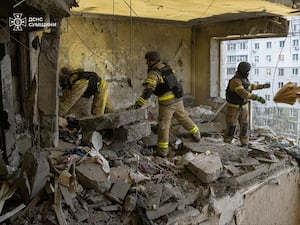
67,196
33,203
6,192
11,213
57,204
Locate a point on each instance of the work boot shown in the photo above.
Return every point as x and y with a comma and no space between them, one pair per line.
162,152
196,136
228,139
245,149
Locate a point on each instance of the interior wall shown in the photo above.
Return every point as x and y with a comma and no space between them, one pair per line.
276,202
271,201
115,49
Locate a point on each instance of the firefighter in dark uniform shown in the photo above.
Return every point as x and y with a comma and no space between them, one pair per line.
162,82
79,83
238,94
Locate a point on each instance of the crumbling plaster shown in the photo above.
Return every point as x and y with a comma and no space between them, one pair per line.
115,50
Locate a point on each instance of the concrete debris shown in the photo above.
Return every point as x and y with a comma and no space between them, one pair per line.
92,176
113,120
207,167
112,176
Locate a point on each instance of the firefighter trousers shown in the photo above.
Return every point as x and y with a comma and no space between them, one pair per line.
237,115
166,112
101,102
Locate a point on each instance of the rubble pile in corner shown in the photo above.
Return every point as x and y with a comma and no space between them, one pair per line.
114,178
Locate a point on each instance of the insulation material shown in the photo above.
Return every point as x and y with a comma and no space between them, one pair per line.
288,94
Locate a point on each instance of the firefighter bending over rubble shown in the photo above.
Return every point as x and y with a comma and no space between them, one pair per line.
238,94
162,82
79,83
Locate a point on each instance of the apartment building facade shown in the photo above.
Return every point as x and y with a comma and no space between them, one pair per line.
275,61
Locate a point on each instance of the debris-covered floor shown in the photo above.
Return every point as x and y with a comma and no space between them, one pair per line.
105,172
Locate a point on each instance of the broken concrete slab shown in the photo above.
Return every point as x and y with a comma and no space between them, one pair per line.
133,132
113,120
153,194
207,168
91,176
36,167
118,190
119,173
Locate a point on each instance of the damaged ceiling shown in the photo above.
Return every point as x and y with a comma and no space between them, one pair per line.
190,11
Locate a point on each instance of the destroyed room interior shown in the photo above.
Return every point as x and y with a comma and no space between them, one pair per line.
83,158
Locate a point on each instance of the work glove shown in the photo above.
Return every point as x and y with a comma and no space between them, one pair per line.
261,99
267,85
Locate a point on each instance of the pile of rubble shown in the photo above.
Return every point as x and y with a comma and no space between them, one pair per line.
105,172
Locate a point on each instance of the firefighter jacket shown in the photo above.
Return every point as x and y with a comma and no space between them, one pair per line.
161,82
238,91
86,84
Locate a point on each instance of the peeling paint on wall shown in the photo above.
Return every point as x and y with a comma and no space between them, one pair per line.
115,50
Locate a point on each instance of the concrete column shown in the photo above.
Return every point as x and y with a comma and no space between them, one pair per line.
48,89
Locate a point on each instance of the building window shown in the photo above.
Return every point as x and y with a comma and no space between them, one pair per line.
292,126
268,58
269,45
279,111
267,97
268,71
231,47
296,44
295,57
296,27
242,58
243,45
269,110
281,44
256,46
256,58
280,84
293,112
256,71
281,57
280,72
295,71
231,59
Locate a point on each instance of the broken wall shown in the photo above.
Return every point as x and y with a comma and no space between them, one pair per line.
115,49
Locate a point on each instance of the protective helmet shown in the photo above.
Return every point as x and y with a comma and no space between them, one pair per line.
243,69
152,55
